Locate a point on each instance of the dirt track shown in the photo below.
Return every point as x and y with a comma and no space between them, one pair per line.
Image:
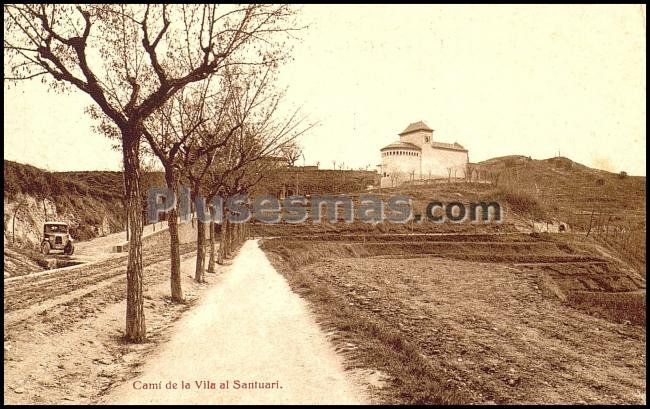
249,327
63,337
62,333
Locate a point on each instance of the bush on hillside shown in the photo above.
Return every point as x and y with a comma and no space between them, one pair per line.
520,202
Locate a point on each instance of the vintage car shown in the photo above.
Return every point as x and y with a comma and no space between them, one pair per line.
56,237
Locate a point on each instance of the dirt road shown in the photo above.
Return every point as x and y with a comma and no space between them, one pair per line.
102,247
249,328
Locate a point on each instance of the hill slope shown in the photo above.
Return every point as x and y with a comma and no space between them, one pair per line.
33,196
610,207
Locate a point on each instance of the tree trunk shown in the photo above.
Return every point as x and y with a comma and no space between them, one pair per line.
211,261
135,323
199,273
172,222
127,221
229,240
223,244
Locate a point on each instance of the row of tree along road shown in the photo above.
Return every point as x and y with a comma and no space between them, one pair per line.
193,85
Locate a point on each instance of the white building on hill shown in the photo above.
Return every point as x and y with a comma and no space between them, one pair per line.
417,157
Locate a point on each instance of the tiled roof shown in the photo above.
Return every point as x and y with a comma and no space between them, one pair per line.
416,126
452,146
401,145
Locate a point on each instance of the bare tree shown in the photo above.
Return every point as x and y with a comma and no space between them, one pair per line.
243,159
167,130
130,59
291,153
251,100
395,176
494,176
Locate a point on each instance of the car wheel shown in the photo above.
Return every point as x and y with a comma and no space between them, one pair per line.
69,249
45,248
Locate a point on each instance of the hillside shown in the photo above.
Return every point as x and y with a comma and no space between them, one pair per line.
311,180
34,196
570,187
537,195
610,207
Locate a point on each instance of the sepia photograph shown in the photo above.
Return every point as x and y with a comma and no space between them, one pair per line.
280,204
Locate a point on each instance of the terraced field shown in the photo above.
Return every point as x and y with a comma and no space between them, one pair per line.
476,318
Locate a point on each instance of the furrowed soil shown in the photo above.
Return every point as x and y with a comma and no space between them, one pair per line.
453,319
63,332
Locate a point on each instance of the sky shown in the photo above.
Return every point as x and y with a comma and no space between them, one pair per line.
500,80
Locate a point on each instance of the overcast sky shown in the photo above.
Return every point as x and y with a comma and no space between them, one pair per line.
500,80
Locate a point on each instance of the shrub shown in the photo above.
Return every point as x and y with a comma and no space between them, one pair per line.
521,202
